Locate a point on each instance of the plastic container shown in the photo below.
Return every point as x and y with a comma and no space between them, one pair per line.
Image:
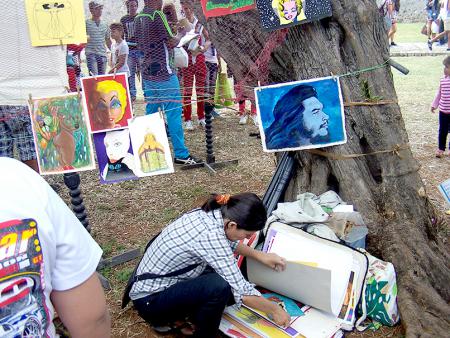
356,238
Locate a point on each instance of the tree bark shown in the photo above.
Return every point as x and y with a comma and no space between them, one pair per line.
386,187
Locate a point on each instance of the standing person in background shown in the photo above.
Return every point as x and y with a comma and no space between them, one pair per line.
134,56
119,50
432,8
243,94
212,61
446,20
98,39
442,102
161,86
196,68
392,7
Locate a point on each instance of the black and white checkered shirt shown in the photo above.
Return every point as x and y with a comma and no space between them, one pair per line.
195,237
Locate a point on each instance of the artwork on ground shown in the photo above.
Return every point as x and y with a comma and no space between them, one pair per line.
213,8
150,145
56,22
107,101
61,135
276,14
301,115
115,156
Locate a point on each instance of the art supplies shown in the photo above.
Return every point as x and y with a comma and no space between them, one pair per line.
328,276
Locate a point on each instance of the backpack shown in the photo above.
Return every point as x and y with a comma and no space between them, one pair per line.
134,278
379,298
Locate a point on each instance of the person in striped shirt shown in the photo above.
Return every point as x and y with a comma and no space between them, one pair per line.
442,102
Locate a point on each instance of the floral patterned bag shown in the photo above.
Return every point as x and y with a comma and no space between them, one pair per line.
379,300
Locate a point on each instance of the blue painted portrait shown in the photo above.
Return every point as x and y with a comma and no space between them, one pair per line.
301,115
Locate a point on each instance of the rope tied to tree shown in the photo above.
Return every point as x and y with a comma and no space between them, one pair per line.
394,151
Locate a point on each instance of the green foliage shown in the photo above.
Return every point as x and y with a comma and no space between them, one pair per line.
124,274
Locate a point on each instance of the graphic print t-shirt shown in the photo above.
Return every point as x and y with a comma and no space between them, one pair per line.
117,50
43,247
152,38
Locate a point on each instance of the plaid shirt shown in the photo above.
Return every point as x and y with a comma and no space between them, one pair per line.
195,237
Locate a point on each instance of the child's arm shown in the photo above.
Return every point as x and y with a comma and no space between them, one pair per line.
120,60
436,100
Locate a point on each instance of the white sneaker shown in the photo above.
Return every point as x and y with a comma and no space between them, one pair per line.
255,119
202,123
243,120
188,125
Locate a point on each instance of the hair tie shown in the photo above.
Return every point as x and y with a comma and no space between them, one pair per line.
223,199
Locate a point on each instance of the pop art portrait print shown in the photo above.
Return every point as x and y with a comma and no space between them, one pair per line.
61,135
276,14
301,115
107,101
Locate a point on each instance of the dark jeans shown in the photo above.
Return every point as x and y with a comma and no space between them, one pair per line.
202,299
211,77
444,125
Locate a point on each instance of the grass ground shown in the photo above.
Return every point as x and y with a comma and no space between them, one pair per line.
409,32
126,215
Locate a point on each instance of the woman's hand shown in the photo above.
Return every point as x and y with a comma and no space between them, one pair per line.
272,260
280,317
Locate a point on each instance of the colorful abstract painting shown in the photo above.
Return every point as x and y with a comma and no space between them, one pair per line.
61,135
276,14
301,115
56,22
212,8
107,101
115,156
150,145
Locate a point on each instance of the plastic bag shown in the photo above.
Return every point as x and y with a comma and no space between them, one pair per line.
222,95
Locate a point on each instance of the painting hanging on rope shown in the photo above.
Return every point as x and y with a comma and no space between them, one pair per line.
212,8
150,145
115,156
301,115
61,135
276,14
107,101
56,22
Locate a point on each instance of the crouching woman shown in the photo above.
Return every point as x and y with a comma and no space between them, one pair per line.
200,244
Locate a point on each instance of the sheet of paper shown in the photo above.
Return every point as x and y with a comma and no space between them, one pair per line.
444,188
317,324
254,322
54,23
306,284
268,241
294,247
343,208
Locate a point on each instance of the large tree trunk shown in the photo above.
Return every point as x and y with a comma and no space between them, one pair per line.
386,187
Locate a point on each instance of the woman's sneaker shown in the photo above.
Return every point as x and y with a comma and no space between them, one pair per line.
188,125
243,120
190,160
